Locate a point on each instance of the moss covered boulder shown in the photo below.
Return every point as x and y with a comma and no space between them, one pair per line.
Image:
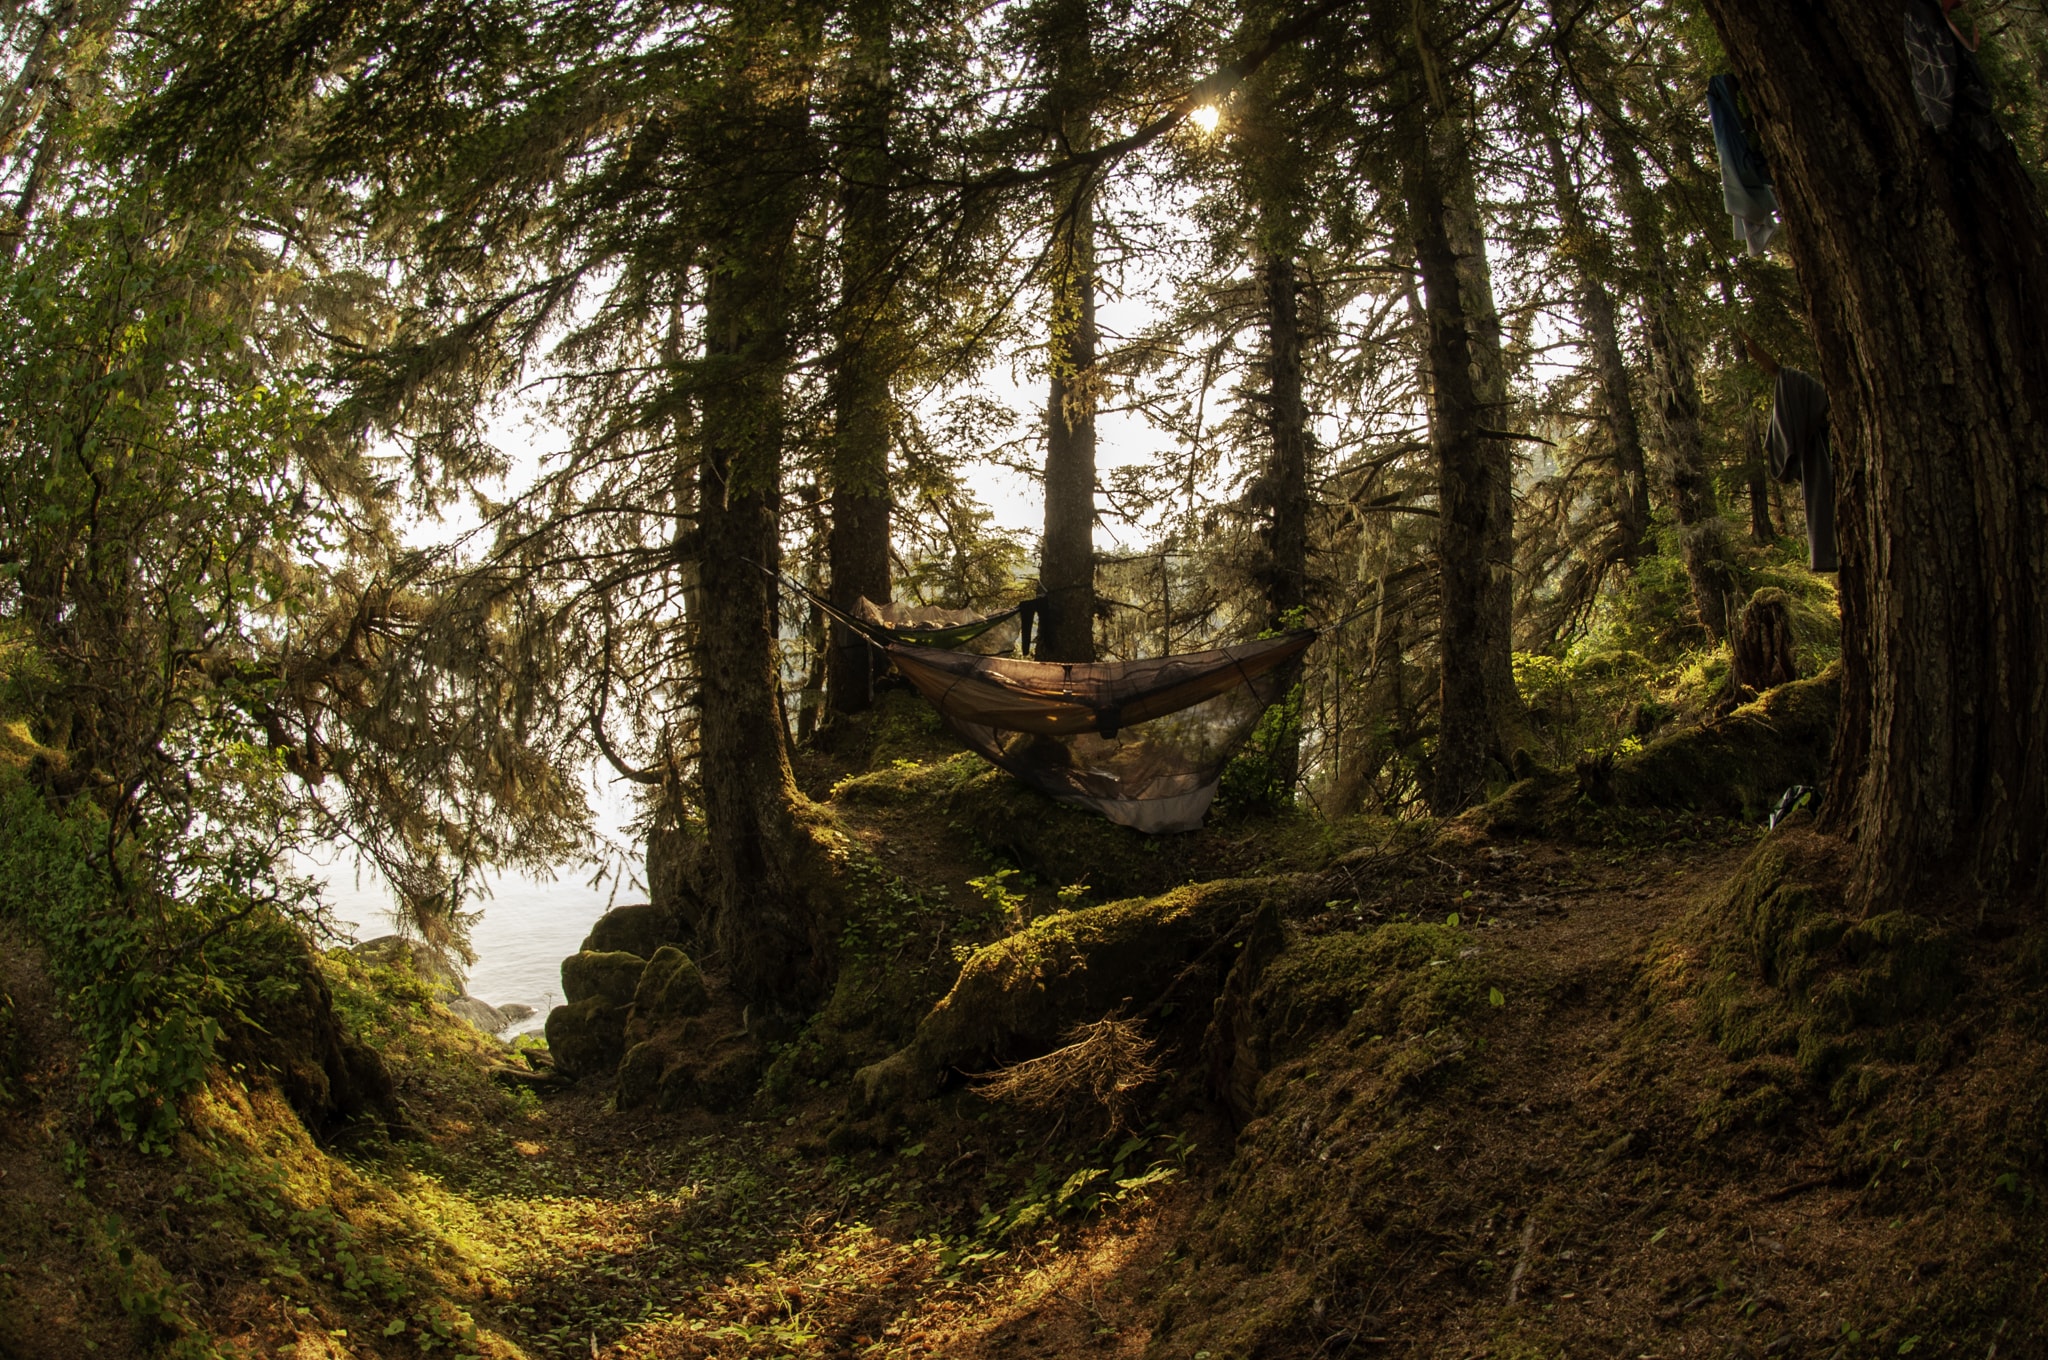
587,1037
611,976
1020,995
670,988
417,957
639,1074
640,928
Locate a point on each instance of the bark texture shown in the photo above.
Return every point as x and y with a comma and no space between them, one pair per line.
1923,257
1675,394
1273,168
1284,487
1592,264
763,919
1066,569
1479,710
867,353
1066,566
1755,471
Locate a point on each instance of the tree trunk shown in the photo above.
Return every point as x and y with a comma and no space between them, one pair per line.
1066,570
1480,711
1285,486
764,924
1273,167
867,353
1702,539
1760,530
1591,265
1930,317
1066,567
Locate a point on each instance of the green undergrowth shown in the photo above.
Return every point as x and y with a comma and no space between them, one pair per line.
900,947
244,1237
1643,665
155,980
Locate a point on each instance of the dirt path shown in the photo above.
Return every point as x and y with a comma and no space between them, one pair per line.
704,1237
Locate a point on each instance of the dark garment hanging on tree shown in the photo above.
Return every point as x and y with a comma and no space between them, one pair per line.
1946,78
1798,442
1745,181
1143,743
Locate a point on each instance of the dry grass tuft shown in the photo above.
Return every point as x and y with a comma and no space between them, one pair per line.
1106,1062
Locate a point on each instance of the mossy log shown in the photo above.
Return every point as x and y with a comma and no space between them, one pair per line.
1019,996
1738,765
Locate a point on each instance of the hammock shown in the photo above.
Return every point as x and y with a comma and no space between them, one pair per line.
945,629
1143,743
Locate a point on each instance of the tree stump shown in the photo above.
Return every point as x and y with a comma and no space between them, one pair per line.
1764,644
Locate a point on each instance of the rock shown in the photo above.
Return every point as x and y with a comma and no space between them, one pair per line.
337,1083
515,1011
587,1037
670,988
718,1077
482,1014
639,929
640,1075
427,963
610,975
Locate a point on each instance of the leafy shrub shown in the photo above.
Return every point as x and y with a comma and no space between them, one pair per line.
153,977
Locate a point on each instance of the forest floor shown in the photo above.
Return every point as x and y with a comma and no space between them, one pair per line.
1500,1108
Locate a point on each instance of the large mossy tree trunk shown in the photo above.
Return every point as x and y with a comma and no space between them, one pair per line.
758,861
867,347
1923,256
1703,547
1479,712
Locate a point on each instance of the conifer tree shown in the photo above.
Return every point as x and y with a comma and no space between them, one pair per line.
1063,42
1675,404
1929,321
866,344
1479,709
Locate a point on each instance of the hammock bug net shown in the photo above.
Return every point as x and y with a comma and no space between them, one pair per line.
1143,743
950,630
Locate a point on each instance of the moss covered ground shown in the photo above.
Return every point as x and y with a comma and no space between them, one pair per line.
1608,1080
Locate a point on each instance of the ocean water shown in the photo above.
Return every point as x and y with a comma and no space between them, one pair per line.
529,924
528,927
